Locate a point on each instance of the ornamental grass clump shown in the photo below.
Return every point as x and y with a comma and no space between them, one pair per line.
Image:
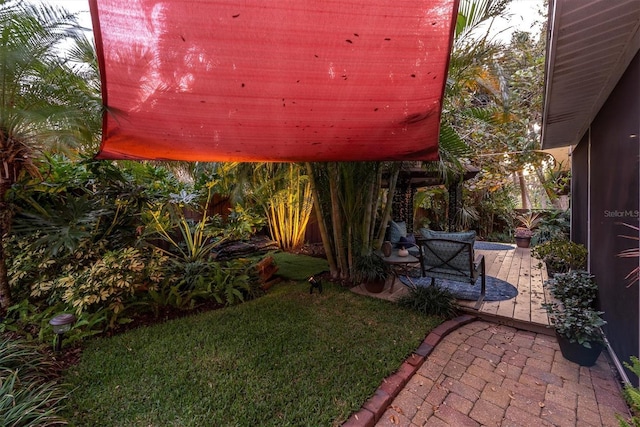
27,396
430,300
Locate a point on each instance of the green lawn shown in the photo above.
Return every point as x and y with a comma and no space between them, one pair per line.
288,358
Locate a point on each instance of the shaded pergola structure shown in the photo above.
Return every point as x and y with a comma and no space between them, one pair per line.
412,176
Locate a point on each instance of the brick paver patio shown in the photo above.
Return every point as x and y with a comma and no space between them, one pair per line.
492,375
477,373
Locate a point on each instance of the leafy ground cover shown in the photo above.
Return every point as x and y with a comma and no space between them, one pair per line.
288,358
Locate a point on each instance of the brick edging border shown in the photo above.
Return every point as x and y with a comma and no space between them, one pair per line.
376,405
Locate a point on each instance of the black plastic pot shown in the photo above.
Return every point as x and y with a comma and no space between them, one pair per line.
374,286
578,353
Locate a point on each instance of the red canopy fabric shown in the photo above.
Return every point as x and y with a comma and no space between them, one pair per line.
272,80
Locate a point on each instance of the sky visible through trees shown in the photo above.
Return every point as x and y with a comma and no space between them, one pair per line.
521,15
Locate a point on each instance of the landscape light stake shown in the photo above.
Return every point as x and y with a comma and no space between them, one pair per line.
315,284
61,324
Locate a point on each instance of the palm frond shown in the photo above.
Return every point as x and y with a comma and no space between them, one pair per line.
634,275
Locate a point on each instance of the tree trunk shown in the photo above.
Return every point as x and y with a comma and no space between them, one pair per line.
336,219
5,222
550,194
5,291
526,203
324,234
370,206
393,179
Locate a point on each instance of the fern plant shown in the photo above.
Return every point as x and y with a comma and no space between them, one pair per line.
632,395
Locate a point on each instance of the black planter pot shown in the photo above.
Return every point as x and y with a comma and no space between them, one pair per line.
578,353
375,286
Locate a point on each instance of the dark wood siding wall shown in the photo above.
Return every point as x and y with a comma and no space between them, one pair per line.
614,199
580,192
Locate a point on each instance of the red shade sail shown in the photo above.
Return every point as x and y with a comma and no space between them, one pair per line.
272,80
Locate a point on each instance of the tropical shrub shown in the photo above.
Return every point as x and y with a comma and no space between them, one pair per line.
554,224
191,282
94,277
183,224
28,319
575,287
86,200
83,210
108,280
576,323
232,283
495,210
561,255
283,191
370,268
31,321
574,316
243,222
557,181
100,240
433,206
45,102
529,220
192,274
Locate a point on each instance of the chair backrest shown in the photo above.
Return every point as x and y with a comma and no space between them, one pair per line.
448,252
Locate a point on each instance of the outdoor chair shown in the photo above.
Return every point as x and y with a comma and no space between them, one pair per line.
450,256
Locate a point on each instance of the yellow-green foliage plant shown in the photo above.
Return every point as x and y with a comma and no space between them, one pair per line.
198,239
289,211
102,278
284,192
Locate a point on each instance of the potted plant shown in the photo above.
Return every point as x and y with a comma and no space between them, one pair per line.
574,287
578,332
372,271
577,324
528,222
561,255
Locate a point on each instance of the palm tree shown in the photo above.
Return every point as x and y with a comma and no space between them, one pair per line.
44,102
347,195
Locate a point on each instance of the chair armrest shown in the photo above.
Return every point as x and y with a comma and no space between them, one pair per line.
478,260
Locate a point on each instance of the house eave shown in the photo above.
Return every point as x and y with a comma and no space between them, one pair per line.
581,33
